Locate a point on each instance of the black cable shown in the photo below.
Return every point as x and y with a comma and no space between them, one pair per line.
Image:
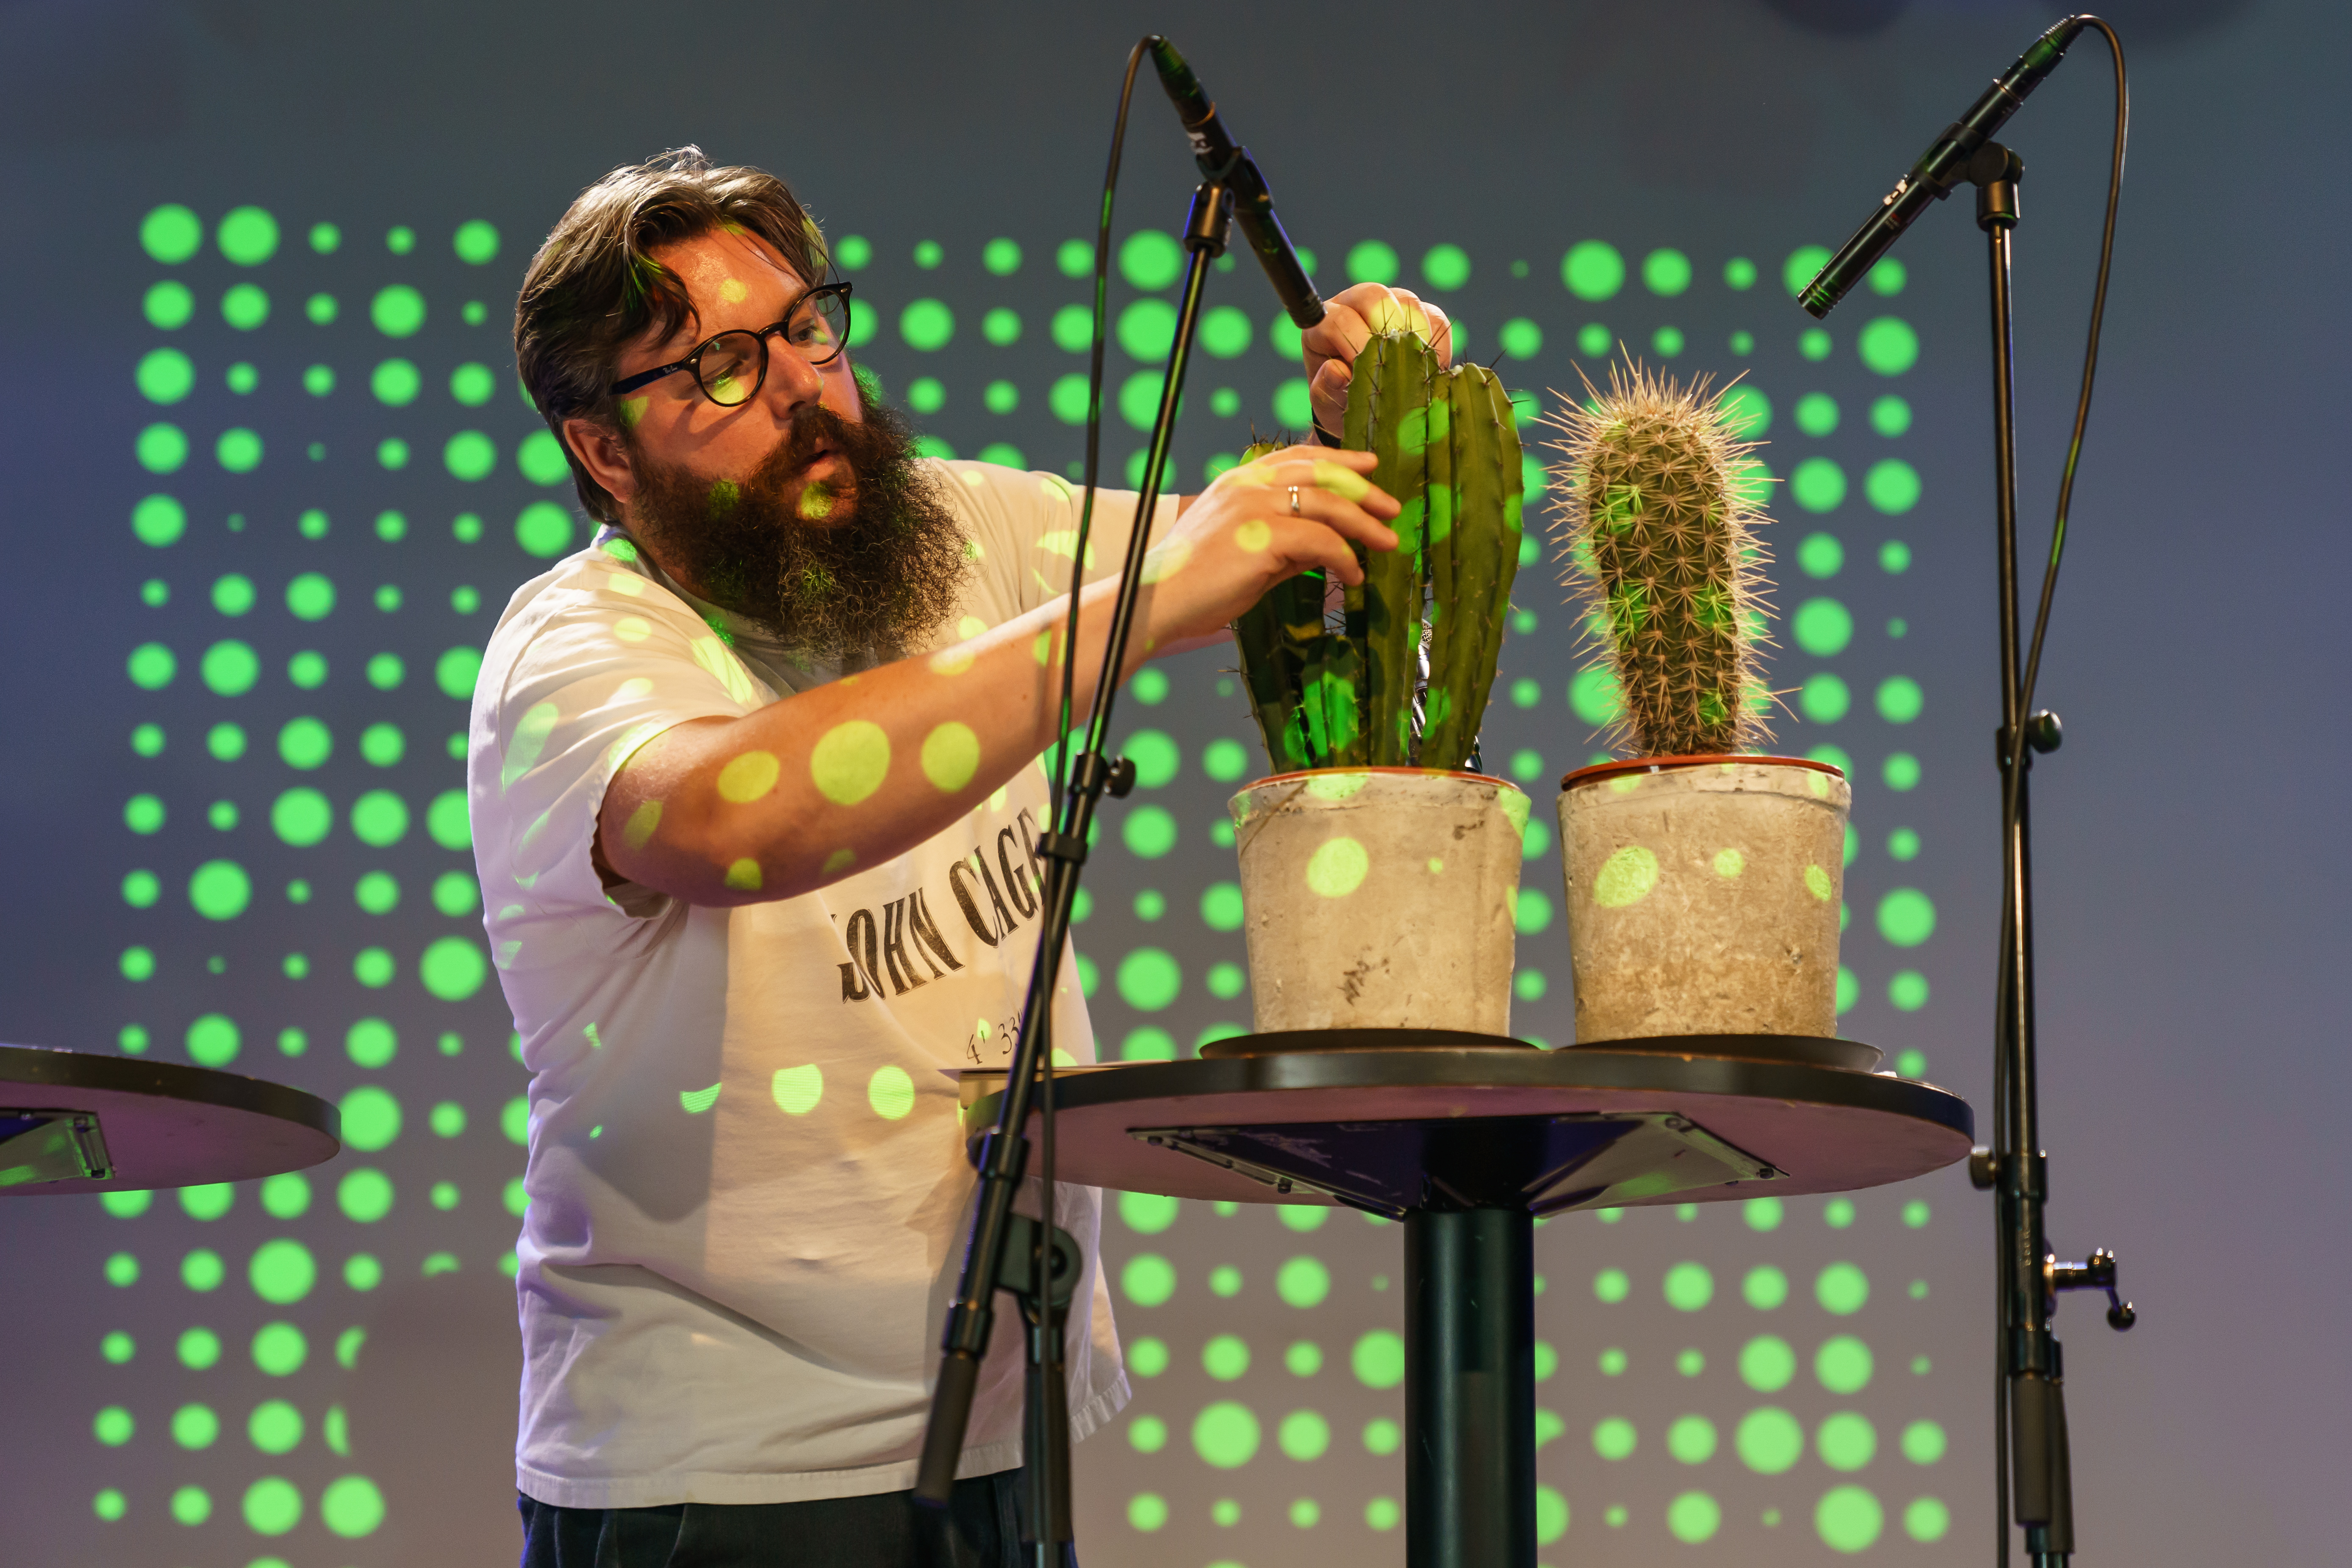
2081,412
1094,439
1064,817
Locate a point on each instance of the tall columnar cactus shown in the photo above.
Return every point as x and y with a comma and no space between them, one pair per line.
1402,680
1657,517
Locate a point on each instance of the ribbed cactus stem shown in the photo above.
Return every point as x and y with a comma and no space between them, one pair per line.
1473,556
1395,370
1446,446
1656,517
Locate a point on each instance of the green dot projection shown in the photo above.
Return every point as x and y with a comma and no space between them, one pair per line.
1446,268
334,484
1148,260
1592,269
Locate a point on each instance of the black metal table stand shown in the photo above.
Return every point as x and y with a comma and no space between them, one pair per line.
1465,1143
1470,1388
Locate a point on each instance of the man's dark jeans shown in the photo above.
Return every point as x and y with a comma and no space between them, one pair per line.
982,1529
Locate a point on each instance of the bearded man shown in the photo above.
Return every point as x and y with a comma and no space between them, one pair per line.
755,795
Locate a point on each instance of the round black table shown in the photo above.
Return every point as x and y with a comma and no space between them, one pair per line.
1467,1145
72,1121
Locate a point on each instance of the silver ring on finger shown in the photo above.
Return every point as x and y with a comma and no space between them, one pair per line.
1293,501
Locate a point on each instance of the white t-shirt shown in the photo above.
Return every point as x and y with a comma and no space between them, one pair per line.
748,1185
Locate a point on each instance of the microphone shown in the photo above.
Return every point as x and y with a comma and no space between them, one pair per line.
1940,168
1214,151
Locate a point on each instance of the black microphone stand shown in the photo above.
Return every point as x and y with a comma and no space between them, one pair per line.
1003,1245
2029,1448
2030,1405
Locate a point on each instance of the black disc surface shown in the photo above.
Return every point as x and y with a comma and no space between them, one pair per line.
1826,1129
167,1124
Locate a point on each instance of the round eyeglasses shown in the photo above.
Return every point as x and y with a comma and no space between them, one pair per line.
730,367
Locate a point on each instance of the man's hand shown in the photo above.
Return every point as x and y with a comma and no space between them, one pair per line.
1329,347
1238,538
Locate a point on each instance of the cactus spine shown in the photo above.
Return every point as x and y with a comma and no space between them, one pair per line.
1448,448
1655,516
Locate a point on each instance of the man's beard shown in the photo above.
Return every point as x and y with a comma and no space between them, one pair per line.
858,588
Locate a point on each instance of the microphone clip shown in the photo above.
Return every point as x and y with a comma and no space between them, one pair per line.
1209,223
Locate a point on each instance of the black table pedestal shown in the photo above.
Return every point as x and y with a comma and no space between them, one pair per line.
1470,1388
1467,1145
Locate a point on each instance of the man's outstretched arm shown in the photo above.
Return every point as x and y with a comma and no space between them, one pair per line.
857,771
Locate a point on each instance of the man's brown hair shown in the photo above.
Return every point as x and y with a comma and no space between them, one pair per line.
592,288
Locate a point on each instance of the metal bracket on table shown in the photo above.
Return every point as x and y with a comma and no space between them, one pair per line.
51,1146
1543,1164
1205,1143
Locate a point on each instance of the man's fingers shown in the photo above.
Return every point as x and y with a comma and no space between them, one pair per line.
1328,395
1441,335
1294,465
1401,312
1328,471
1364,300
1304,545
1305,452
1341,335
1348,519
1350,320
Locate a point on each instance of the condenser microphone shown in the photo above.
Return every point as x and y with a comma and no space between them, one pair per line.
1219,158
1940,168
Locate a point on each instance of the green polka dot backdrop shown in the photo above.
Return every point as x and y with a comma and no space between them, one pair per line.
330,500
333,481
271,480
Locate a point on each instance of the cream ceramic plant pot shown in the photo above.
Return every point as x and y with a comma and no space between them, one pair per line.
1703,895
1380,899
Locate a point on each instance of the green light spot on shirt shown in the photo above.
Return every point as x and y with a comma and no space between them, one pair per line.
891,1092
797,1089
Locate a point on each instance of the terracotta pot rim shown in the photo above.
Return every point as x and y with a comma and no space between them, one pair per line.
1417,772
1661,764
